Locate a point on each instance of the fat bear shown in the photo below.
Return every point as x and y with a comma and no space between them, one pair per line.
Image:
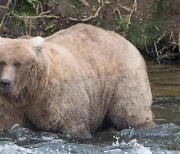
74,82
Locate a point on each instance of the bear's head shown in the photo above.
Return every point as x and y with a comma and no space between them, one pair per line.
22,65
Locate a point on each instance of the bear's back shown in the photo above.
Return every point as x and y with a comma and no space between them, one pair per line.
98,48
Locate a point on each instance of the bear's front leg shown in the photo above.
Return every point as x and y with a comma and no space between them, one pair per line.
10,115
75,129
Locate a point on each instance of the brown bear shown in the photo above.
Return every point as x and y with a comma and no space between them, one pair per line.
74,82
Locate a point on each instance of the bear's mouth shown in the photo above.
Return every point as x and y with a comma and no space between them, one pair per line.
5,90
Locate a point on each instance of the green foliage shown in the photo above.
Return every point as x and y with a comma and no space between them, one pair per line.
51,29
122,23
145,35
153,30
98,21
142,35
27,7
159,6
136,36
33,3
76,3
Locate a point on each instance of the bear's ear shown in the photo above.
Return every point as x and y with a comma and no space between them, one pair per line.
37,43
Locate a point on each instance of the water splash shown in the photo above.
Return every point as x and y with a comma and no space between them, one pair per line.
132,147
165,139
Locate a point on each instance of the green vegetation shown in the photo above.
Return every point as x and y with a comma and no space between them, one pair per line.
144,35
123,24
159,6
98,21
51,29
27,7
147,34
75,3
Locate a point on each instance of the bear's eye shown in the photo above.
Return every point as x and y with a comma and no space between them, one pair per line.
2,63
17,63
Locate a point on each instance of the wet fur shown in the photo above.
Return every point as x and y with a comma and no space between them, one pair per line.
77,80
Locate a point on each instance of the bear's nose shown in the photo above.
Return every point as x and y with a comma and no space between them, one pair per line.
5,83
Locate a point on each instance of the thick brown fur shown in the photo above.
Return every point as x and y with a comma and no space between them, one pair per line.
72,83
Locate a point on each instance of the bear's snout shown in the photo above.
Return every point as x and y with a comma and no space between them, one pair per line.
5,84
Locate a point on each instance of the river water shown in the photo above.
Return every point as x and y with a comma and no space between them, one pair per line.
165,139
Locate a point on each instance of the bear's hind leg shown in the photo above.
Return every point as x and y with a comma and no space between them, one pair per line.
131,104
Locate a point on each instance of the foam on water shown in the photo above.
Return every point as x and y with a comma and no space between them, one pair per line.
11,148
132,147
